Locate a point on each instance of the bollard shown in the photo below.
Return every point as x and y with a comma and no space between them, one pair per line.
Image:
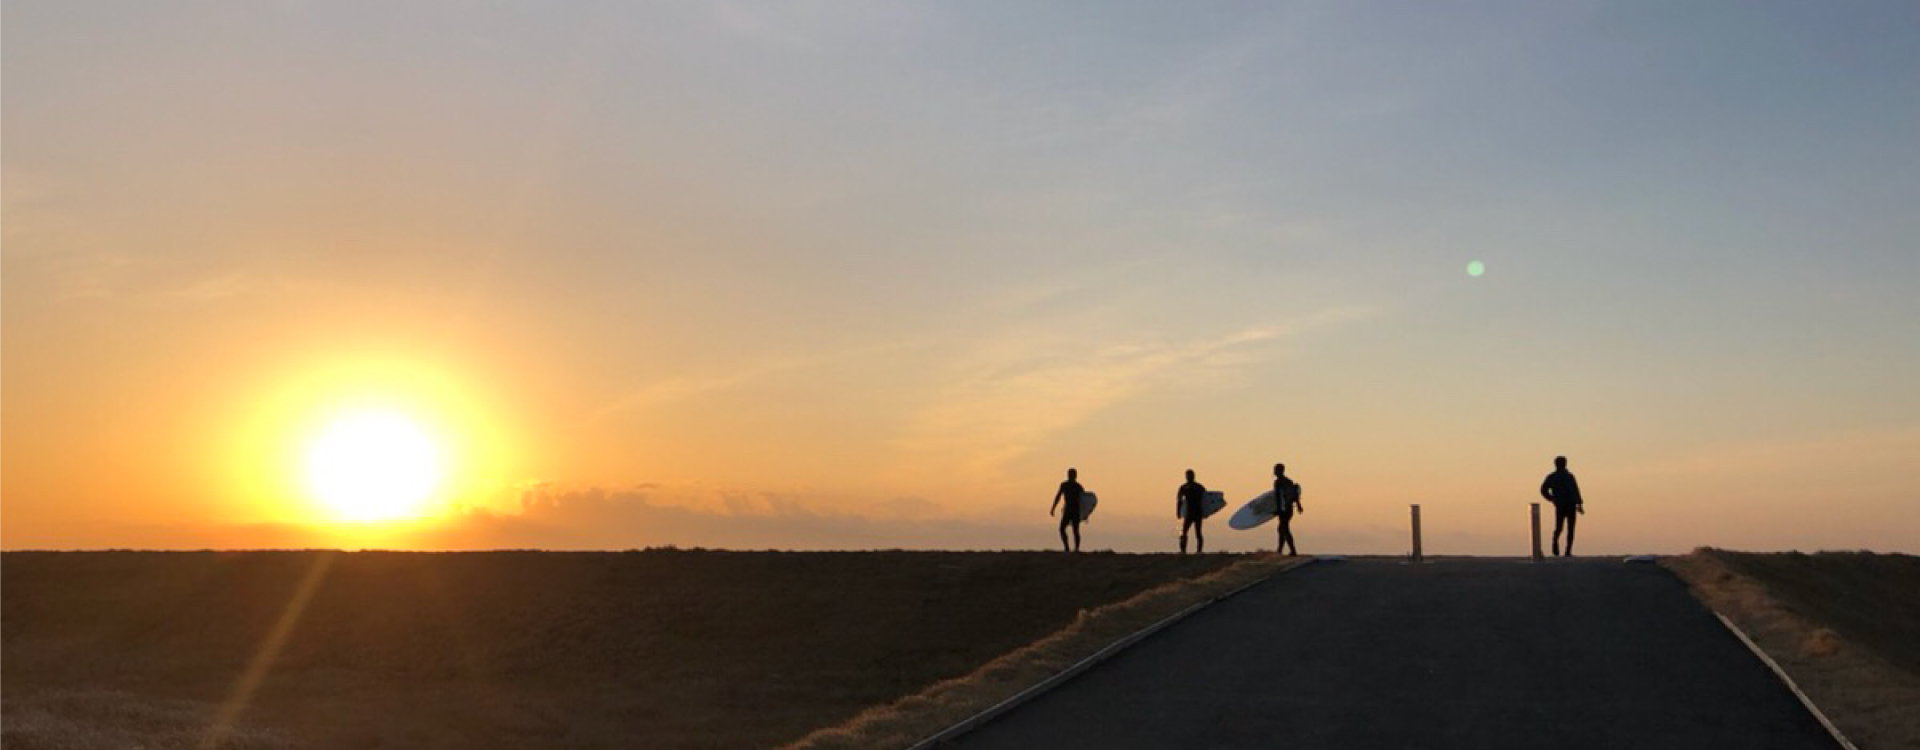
1416,532
1536,532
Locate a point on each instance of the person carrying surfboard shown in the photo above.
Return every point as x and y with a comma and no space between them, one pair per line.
1190,506
1286,499
1561,490
1070,491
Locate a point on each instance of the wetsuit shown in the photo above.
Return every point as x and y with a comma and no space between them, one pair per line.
1193,509
1286,493
1561,489
1069,494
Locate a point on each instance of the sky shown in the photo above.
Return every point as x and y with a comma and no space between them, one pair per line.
854,275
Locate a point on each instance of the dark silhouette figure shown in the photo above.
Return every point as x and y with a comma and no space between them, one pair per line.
1286,499
1190,504
1070,491
1561,490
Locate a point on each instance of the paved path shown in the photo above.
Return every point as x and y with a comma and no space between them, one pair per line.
1447,654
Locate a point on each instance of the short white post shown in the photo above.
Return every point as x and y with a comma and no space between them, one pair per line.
1416,532
1536,532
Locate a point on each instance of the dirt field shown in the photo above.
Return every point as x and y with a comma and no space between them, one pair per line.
514,649
1845,625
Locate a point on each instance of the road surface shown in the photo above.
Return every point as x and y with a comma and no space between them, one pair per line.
1477,653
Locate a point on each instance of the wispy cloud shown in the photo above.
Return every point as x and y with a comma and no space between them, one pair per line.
1016,395
680,388
1876,461
216,287
674,389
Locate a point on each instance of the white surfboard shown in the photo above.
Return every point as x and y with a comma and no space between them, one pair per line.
1214,502
1259,510
1087,501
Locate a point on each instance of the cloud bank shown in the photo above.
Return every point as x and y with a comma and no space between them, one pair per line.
597,518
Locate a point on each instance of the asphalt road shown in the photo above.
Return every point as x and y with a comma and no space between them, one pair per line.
1445,654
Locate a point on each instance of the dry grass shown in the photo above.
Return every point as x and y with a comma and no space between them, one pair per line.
660,648
1846,626
911,719
114,720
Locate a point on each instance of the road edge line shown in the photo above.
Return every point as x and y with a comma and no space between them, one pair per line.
1787,680
1039,688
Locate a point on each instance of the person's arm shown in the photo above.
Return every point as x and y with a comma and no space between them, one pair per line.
1297,505
1546,487
1057,494
1580,503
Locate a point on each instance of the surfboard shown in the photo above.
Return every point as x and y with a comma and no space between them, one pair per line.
1087,501
1259,510
1214,502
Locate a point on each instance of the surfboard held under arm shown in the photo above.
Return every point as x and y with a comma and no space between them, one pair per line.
1261,509
1214,502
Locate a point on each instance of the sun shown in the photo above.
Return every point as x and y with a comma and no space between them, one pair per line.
374,466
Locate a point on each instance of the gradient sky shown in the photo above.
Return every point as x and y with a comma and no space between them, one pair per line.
852,275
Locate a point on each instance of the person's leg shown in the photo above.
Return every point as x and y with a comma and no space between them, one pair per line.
1292,548
1199,539
1184,525
1558,521
1572,520
1076,536
1063,535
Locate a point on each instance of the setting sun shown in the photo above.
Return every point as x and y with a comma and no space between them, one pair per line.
374,466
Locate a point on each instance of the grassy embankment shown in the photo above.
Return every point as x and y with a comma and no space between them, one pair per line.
518,649
1845,625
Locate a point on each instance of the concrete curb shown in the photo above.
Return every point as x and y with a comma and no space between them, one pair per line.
1034,691
1787,680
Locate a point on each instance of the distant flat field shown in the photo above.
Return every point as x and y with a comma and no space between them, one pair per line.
656,648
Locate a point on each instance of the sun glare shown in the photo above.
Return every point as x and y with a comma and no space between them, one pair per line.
374,466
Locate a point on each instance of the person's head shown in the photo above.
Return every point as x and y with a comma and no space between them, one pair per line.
1189,475
1559,462
1072,473
1279,470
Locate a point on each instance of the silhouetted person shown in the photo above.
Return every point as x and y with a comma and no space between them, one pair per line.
1561,490
1286,499
1190,504
1070,491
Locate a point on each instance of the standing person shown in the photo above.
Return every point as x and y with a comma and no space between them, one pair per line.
1286,499
1561,490
1190,505
1070,491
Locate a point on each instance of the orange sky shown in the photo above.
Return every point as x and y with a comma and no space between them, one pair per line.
786,278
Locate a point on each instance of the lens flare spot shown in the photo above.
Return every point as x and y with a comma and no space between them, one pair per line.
1475,268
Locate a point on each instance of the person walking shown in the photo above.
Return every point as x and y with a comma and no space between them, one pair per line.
1070,492
1286,500
1561,490
1190,506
